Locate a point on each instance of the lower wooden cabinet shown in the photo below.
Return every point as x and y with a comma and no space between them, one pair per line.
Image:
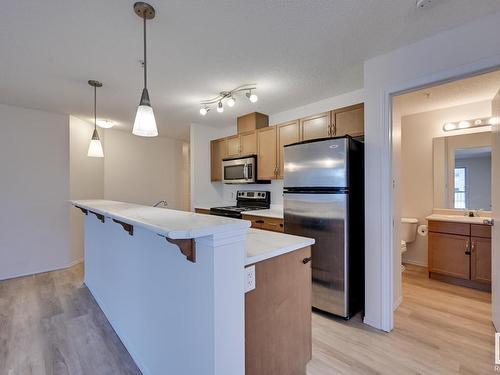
480,260
278,316
449,255
267,223
460,253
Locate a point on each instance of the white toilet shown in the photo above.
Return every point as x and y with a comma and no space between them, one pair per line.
408,233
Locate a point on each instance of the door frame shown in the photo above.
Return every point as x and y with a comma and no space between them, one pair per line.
389,200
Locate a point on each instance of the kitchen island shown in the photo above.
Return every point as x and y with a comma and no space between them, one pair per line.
172,285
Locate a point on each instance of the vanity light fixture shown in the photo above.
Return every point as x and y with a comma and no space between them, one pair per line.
466,124
228,97
95,146
145,123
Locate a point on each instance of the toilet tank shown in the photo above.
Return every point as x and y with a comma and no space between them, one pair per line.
408,229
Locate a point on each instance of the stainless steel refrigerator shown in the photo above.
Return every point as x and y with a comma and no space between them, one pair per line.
324,199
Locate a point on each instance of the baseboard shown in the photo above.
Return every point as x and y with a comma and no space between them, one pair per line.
415,263
397,303
58,268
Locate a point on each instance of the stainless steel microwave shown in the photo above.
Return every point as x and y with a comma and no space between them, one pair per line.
240,170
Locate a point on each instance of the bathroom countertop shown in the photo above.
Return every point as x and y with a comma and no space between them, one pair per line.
458,218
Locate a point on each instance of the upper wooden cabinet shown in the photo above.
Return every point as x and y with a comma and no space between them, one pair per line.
288,133
233,146
317,126
266,153
348,120
252,121
218,151
248,143
255,137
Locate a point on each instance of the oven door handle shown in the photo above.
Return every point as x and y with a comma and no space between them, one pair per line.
245,171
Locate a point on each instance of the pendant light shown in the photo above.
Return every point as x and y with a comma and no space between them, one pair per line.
95,147
145,123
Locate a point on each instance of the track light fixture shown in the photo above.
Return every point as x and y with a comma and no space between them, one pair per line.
228,97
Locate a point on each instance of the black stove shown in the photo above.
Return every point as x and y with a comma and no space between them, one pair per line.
246,200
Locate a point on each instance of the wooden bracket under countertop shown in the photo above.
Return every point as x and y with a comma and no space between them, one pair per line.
126,226
85,211
99,216
186,246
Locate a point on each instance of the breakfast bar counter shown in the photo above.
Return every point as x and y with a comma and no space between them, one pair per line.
172,285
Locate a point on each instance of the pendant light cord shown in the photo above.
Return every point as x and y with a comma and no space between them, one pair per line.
95,107
145,61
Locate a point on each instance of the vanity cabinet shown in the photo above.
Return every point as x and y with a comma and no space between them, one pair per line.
460,253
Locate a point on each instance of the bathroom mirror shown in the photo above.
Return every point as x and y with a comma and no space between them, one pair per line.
462,171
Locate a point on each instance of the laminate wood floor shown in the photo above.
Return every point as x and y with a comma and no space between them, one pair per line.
50,324
439,329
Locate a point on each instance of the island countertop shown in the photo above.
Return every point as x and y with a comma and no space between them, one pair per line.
169,223
263,244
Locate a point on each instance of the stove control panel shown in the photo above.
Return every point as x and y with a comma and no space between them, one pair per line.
253,194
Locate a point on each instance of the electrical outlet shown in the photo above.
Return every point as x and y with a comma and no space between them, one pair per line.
249,278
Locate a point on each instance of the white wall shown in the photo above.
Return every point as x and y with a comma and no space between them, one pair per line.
34,191
416,187
86,178
145,170
446,55
207,194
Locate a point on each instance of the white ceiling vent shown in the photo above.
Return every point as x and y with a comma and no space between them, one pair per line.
422,4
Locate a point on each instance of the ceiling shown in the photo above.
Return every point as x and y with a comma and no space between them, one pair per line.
469,90
296,51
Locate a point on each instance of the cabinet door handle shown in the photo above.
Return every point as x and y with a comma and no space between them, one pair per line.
259,221
334,129
467,251
306,260
473,246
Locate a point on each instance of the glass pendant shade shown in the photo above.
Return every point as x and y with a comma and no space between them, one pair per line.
95,147
145,123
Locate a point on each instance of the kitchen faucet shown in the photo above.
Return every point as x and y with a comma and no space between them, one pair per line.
161,203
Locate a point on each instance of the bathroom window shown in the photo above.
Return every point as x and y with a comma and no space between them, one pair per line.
460,192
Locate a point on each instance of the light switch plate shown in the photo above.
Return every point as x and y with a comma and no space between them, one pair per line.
249,278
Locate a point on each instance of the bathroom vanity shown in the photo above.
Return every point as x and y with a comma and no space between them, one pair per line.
459,250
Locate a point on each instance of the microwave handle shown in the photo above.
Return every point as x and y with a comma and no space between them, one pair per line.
245,171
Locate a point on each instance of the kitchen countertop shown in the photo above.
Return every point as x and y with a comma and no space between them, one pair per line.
458,218
169,223
263,244
274,212
260,244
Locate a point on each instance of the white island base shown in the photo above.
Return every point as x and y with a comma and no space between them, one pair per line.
174,315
